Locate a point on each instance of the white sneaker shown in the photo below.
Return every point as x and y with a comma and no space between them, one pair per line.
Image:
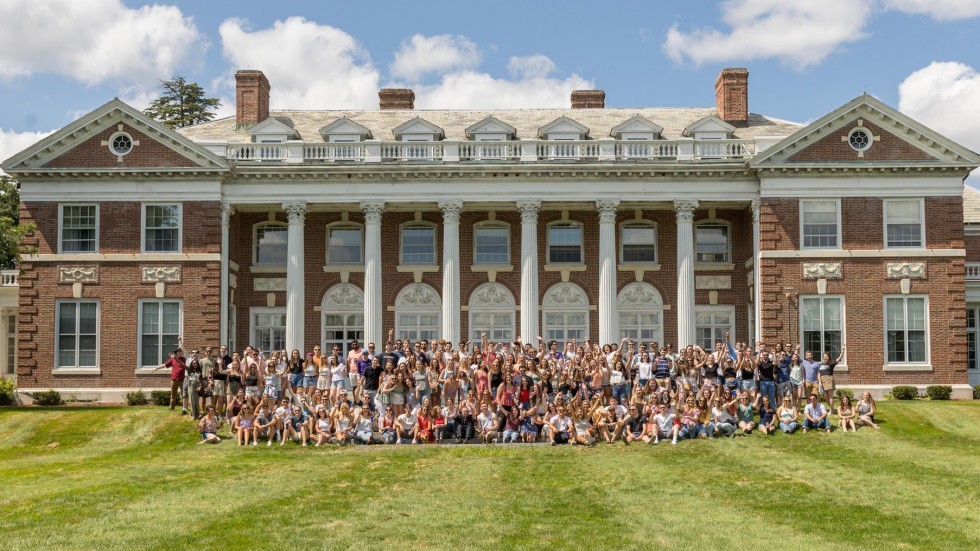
269,444
317,444
304,444
255,443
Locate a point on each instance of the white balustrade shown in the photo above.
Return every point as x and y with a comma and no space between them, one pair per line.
490,151
333,152
973,271
8,278
652,150
411,151
567,150
256,152
722,149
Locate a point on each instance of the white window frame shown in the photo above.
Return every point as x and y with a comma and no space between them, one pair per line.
581,242
435,243
656,241
255,311
139,332
546,327
906,365
922,222
61,227
328,343
491,224
255,242
714,308
400,329
659,337
11,335
180,226
713,222
232,328
837,204
973,308
348,225
817,354
57,334
475,331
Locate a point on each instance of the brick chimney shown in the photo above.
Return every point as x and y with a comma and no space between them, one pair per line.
396,98
251,98
732,96
588,99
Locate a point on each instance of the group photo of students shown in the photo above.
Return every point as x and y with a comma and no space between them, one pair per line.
507,393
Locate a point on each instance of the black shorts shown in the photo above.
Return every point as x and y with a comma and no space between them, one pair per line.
561,437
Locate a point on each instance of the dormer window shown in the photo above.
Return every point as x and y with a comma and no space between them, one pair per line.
273,130
418,130
563,129
709,128
345,130
491,129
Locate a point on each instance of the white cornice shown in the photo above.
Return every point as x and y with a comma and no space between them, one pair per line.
149,257
866,253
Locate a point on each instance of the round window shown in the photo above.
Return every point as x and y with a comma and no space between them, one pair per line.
120,143
860,139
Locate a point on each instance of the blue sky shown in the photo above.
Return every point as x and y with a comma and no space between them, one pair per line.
61,58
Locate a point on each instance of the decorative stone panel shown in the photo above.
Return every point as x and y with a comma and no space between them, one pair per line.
78,274
159,274
906,269
269,283
714,281
826,270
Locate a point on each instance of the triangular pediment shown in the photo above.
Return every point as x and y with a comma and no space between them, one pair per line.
636,123
418,125
563,125
491,125
711,123
346,126
83,146
895,138
274,126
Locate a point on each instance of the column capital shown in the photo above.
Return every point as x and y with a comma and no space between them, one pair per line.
450,210
372,211
684,210
226,213
756,203
529,209
296,210
607,209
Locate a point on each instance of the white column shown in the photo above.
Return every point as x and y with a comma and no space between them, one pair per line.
295,276
608,318
684,211
529,269
372,271
756,270
226,211
450,270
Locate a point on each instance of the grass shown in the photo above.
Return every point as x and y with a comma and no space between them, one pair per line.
112,478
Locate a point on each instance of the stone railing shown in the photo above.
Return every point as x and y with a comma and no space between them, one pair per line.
973,271
8,278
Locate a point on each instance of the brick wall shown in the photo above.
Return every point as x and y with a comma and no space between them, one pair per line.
833,148
149,153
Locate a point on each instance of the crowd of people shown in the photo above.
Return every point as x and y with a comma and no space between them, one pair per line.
548,392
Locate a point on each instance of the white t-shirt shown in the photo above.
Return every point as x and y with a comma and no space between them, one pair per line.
665,421
561,424
408,421
645,369
487,420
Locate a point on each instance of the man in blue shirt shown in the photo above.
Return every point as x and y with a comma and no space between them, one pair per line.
811,385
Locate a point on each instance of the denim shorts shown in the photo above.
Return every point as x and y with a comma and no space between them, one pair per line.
747,384
296,379
309,382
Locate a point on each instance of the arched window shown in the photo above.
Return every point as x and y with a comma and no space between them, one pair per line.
565,311
270,240
342,318
712,241
492,309
638,242
641,311
417,312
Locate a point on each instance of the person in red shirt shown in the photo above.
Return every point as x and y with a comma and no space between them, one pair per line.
178,368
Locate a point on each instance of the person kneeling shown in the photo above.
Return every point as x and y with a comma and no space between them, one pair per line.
208,426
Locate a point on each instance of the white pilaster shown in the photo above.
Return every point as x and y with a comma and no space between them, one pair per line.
684,211
608,318
372,270
529,269
450,270
226,212
295,275
756,270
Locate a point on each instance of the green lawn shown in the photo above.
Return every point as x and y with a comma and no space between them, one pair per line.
114,478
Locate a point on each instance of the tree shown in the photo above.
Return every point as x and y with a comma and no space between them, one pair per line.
182,104
12,232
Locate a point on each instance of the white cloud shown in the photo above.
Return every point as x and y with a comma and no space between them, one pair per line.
94,41
438,54
531,66
472,90
12,142
942,10
310,66
797,33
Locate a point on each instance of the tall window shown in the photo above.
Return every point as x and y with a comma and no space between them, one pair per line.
565,243
340,328
820,220
822,323
271,243
12,344
161,228
905,329
903,223
565,311
344,245
491,244
160,322
972,334
77,333
418,244
710,325
711,242
640,309
417,312
638,243
417,326
269,328
492,312
79,228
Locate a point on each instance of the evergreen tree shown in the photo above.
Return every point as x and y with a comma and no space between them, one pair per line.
182,104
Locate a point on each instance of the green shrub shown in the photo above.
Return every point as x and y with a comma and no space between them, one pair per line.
905,392
160,397
136,398
841,392
48,398
976,392
939,392
8,389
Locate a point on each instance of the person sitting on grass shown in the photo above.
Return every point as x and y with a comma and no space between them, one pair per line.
725,422
321,428
439,423
208,426
296,427
845,412
343,423
364,426
866,411
423,429
244,424
667,425
634,426
561,426
787,416
487,424
266,425
767,416
815,415
405,426
530,420
745,412
512,425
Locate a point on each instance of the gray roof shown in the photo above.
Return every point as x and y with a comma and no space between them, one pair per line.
526,121
971,205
